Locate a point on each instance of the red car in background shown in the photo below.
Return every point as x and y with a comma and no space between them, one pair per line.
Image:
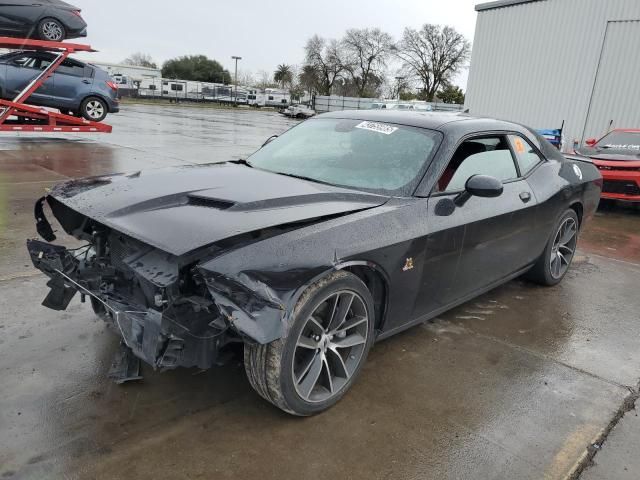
617,156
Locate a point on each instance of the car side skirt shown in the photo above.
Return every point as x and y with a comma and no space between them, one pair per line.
460,301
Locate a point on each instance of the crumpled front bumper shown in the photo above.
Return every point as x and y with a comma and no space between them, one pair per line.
156,337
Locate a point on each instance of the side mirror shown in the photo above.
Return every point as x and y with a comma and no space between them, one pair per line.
480,186
591,142
269,140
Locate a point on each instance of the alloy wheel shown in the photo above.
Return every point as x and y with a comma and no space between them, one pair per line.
330,346
563,249
94,109
52,31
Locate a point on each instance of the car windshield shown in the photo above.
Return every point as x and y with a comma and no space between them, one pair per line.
620,141
382,158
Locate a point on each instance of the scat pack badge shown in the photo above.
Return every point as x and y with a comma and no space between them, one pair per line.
408,265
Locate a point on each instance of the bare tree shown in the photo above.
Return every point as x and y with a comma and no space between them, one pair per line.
327,59
366,53
434,55
140,59
309,79
265,80
246,78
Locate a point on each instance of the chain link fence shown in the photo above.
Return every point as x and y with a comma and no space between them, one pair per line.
334,103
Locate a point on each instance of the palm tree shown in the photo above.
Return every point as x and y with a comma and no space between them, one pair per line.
283,75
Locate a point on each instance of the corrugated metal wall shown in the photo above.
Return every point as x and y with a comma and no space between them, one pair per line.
616,94
537,63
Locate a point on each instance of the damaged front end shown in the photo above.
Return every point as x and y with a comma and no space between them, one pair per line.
160,307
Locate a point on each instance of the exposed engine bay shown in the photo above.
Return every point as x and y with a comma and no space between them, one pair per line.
162,309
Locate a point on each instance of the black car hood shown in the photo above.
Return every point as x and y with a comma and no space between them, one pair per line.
610,155
181,209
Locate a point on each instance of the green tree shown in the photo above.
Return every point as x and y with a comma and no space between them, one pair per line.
198,68
283,75
451,94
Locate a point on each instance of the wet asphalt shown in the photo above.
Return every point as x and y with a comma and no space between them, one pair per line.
518,383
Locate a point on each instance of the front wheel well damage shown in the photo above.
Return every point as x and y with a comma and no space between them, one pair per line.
377,285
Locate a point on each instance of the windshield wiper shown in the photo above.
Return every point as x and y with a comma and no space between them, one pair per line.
302,177
241,161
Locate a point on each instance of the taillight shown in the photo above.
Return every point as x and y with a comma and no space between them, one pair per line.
76,13
112,86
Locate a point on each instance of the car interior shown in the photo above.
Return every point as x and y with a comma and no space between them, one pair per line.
486,156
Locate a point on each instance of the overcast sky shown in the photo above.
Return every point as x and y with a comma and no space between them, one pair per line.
264,33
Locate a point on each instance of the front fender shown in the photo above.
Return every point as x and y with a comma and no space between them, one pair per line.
259,310
250,305
257,286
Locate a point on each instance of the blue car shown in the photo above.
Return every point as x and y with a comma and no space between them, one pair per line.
75,88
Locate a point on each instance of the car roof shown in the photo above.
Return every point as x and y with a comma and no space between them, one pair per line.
423,119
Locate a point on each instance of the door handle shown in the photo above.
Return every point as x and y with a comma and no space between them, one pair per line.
86,81
525,197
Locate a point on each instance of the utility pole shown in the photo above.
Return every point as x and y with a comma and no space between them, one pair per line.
399,80
236,81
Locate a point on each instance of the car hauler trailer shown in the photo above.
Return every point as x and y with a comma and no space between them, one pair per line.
17,116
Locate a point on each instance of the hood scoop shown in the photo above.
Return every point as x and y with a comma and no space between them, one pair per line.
208,202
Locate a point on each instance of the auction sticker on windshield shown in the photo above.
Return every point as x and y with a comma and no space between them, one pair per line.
377,127
623,147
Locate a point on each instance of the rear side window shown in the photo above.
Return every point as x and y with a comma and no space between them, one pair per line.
71,68
526,156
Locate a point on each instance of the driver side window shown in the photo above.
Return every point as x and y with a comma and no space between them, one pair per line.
478,156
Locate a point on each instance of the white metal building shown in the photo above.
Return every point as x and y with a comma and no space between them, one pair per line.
540,62
128,75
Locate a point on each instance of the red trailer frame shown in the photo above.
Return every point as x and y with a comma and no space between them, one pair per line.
39,119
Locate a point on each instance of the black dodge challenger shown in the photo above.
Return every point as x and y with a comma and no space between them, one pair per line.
347,229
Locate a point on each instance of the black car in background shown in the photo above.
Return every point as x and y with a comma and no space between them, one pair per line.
52,20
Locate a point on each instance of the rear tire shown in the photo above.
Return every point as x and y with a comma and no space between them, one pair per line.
94,109
321,352
51,30
553,264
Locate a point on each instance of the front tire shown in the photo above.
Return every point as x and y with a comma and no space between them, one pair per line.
554,263
322,350
51,30
94,109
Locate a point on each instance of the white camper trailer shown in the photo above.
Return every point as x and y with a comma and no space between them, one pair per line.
269,97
